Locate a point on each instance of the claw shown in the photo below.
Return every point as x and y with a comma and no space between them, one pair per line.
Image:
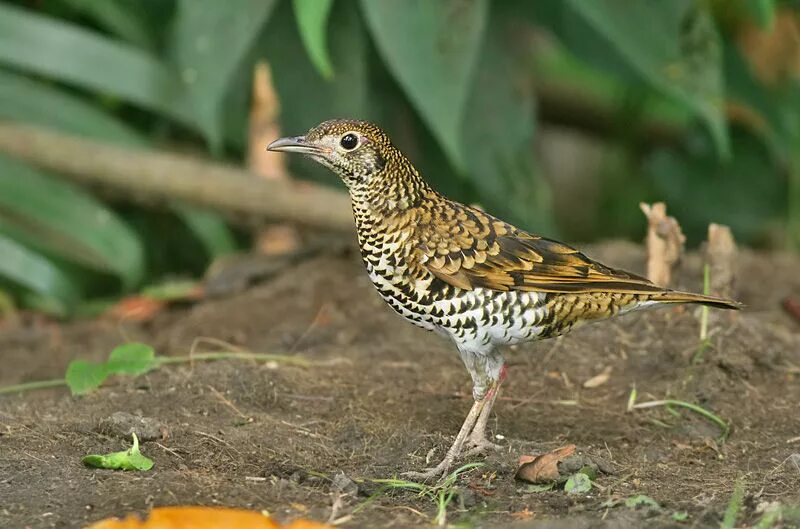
482,446
438,473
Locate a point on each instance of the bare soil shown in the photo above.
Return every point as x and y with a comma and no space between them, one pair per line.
382,394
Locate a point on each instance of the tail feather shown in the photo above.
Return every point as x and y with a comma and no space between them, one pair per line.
671,296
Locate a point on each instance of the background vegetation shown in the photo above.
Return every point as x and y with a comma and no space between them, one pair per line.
558,114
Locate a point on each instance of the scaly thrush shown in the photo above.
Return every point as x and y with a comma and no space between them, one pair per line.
463,273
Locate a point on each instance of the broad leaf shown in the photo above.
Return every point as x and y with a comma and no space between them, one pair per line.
131,359
209,228
497,133
84,377
312,21
432,48
59,217
306,99
680,55
31,101
23,99
56,49
36,273
209,41
119,18
762,11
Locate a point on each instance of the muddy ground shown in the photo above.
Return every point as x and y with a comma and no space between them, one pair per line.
381,394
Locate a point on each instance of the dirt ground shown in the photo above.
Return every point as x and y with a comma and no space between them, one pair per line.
381,394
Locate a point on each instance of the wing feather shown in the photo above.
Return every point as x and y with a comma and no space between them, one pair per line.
475,250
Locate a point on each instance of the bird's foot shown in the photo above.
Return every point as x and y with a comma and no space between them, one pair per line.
476,445
438,472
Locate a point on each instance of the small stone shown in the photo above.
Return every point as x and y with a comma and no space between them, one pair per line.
123,424
344,484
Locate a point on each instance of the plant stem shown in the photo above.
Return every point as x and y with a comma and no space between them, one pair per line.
228,355
693,407
27,386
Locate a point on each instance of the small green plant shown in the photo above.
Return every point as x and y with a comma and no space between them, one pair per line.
578,483
136,359
442,494
705,341
734,505
640,500
131,459
670,403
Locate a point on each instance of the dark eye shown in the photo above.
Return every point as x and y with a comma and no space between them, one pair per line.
349,141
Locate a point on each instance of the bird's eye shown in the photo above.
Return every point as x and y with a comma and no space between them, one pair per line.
349,141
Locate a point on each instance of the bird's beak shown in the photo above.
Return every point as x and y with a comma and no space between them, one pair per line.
295,144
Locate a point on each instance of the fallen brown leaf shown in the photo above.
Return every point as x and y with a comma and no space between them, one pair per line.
542,468
136,308
202,518
599,379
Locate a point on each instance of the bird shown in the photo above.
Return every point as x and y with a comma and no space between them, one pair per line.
458,271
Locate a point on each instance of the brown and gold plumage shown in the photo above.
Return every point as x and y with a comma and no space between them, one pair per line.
463,273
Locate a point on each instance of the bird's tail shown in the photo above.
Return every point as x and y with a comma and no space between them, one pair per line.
671,296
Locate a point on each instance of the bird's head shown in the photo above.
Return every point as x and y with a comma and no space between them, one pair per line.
357,151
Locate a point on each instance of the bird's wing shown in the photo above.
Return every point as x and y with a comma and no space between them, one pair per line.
469,249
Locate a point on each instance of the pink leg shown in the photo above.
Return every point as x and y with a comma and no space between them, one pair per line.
477,438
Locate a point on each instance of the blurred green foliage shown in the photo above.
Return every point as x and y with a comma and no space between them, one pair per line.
680,101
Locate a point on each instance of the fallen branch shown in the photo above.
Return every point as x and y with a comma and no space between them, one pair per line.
146,176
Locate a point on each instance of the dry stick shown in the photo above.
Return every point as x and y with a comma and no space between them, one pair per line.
145,175
721,258
665,242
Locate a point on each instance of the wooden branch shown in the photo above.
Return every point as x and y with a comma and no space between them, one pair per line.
145,175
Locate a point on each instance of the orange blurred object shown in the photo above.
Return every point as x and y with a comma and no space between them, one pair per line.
202,518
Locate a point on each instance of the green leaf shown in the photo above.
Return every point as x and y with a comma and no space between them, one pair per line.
312,21
209,227
131,359
56,49
680,516
762,11
209,41
640,500
171,290
578,483
84,377
118,18
307,99
23,99
61,218
36,273
432,49
497,133
693,183
31,101
680,56
131,459
540,488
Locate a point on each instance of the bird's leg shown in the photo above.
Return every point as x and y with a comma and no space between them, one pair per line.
440,470
477,440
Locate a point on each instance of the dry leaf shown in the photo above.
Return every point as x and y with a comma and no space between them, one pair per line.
598,380
136,308
202,518
544,467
